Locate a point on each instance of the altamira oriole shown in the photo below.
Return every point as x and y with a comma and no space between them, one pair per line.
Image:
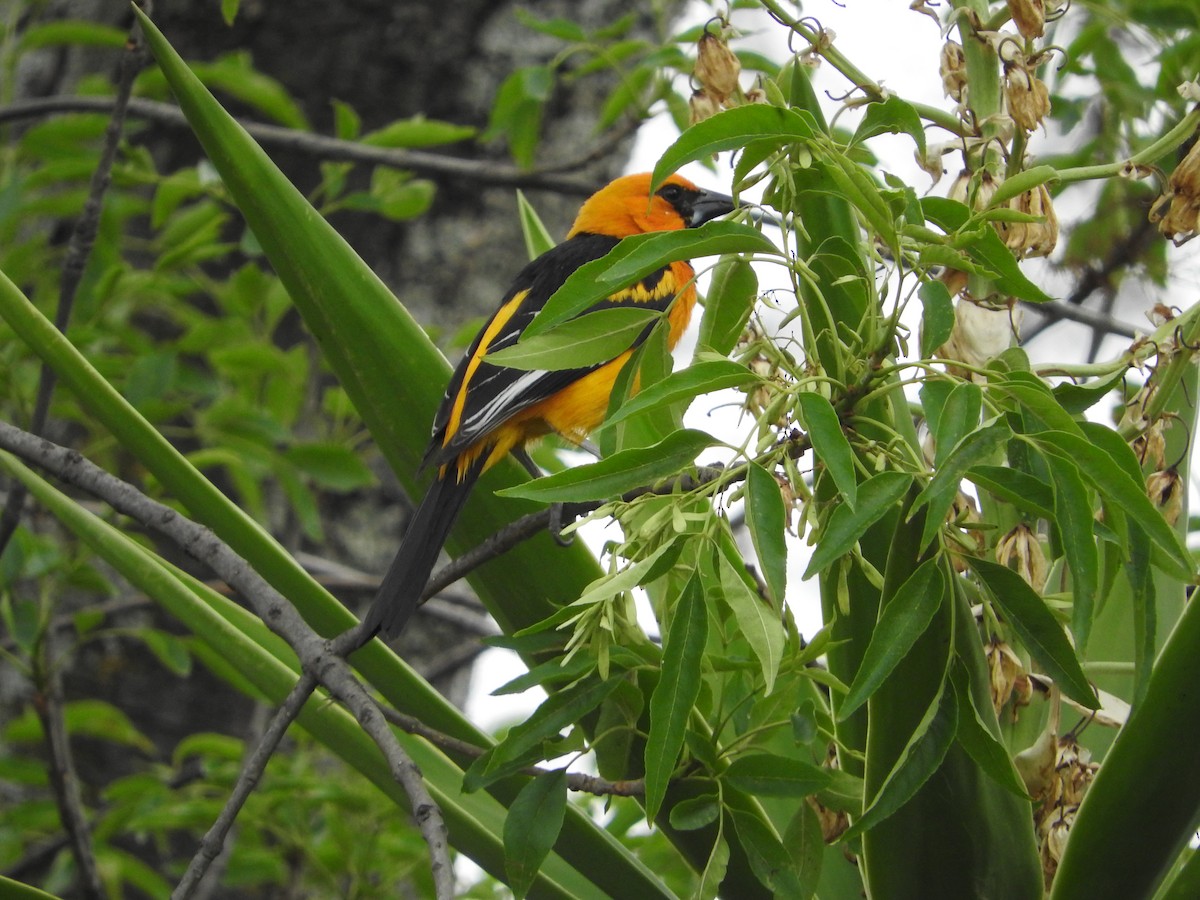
489,410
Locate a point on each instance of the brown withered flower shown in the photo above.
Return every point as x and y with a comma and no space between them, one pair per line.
953,69
717,67
1165,489
1027,96
1031,238
1029,16
1182,199
702,106
1021,551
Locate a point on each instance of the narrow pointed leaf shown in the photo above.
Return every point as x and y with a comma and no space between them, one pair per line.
733,129
728,305
981,745
675,695
588,340
771,775
921,757
959,417
1037,628
876,496
698,378
902,622
767,520
532,826
621,472
1074,516
829,443
641,255
1114,483
941,490
522,745
757,620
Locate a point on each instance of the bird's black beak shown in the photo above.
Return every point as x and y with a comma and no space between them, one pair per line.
708,205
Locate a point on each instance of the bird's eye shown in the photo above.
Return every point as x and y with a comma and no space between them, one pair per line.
672,193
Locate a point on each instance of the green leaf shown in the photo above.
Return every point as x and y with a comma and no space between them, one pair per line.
1019,488
537,238
770,775
695,812
1112,481
523,743
732,129
532,826
937,320
229,10
331,466
805,840
171,651
984,246
829,443
767,520
845,526
891,116
921,757
640,255
675,694
901,623
757,620
959,417
732,293
625,471
941,490
587,340
981,745
1037,628
70,31
1076,399
1074,517
418,132
698,378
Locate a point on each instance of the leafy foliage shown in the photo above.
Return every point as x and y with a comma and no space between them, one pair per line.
984,553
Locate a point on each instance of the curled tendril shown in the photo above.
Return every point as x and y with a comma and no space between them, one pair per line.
1056,14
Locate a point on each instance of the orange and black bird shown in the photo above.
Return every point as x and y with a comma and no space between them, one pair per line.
489,410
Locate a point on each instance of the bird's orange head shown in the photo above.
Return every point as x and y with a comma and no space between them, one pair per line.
626,206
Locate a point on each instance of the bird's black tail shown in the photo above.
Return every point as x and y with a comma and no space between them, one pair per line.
400,593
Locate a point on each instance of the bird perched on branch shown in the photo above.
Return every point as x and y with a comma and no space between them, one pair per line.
490,410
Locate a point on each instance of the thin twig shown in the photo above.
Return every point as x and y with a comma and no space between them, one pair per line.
576,781
64,781
1124,254
318,657
329,148
79,250
1056,312
213,841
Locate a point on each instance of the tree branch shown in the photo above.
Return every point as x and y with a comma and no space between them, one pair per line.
319,658
48,704
277,137
213,841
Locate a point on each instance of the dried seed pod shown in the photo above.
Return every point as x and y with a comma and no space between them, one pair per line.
1166,491
953,69
1182,197
1021,550
1029,16
702,106
1027,97
1005,670
1031,238
717,68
